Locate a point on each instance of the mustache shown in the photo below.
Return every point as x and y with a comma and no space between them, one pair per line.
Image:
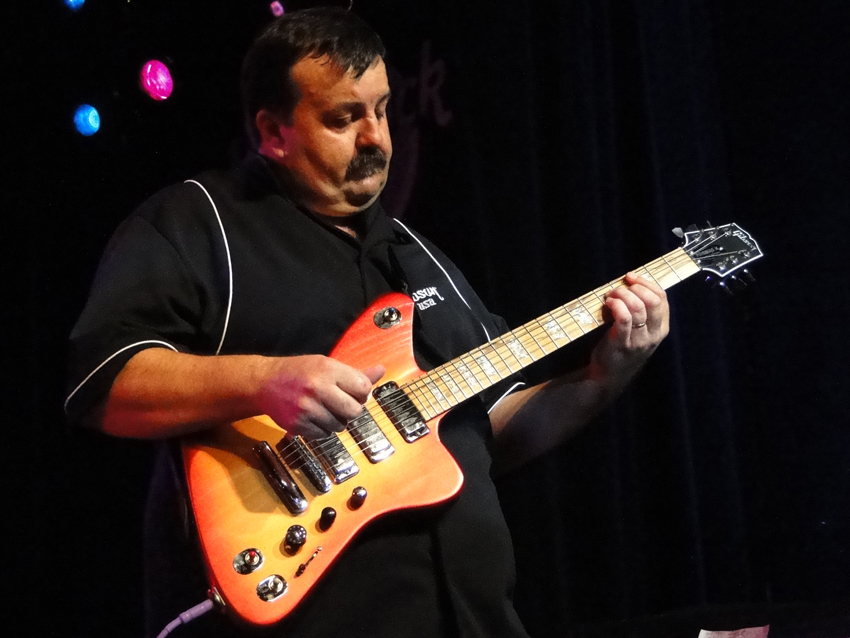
368,161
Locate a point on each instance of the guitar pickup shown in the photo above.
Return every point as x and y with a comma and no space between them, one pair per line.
280,479
334,457
401,411
376,447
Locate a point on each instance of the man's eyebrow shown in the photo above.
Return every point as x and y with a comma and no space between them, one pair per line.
347,106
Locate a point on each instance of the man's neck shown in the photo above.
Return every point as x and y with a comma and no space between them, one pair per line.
353,225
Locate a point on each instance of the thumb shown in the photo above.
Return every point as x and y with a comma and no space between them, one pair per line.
374,373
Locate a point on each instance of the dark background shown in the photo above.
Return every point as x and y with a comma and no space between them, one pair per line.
564,142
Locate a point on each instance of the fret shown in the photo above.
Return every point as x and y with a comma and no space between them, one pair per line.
495,346
536,343
517,349
472,361
414,396
654,278
500,366
467,375
445,377
420,392
487,366
455,381
582,315
541,330
438,395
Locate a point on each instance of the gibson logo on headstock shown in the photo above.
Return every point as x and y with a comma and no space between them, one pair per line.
712,250
744,237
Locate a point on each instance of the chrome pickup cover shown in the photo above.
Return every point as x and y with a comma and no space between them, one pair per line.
334,457
401,411
370,438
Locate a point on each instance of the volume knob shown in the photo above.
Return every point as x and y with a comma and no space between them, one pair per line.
294,540
358,497
327,518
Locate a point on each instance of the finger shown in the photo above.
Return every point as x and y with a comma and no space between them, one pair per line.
655,301
355,383
634,303
622,317
633,278
374,373
316,419
341,406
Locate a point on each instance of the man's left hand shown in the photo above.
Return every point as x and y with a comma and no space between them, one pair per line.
641,320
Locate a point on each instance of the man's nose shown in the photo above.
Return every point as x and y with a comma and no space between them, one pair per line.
372,133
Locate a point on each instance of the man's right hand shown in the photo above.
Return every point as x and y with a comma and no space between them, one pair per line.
314,395
161,393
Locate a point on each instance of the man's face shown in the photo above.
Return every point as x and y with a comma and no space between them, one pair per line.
336,152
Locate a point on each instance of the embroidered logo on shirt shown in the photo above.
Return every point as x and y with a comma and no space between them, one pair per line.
424,297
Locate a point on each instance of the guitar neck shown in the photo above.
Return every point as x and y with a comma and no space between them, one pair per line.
450,384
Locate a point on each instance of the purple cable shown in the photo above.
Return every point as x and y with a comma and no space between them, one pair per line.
187,616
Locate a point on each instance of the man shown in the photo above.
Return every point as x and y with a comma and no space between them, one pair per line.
219,299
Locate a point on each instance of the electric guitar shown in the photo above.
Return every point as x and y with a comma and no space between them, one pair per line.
273,511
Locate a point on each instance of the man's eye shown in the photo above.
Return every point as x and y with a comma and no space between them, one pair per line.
338,121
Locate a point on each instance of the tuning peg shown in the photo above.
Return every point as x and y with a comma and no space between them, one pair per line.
722,285
711,280
736,284
678,232
747,276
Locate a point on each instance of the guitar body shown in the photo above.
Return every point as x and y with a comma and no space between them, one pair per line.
236,509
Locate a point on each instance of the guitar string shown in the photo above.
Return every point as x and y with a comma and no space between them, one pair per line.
418,386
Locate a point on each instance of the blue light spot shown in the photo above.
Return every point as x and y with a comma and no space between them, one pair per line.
75,4
87,120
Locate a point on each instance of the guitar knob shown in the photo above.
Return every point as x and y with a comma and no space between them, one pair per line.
327,518
294,540
358,496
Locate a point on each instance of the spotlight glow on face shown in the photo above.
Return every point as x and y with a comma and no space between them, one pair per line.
156,81
87,120
75,4
277,8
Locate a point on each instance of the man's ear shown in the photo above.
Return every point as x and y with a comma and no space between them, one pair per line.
272,141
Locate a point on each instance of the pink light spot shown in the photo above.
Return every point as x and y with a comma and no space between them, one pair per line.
277,8
156,80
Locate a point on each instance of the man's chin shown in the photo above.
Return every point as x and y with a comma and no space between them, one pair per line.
364,193
361,200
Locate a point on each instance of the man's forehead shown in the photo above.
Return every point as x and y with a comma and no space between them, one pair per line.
322,80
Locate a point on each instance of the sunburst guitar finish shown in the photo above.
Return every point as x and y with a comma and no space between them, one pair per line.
236,509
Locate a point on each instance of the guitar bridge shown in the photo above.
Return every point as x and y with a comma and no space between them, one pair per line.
280,479
401,411
305,462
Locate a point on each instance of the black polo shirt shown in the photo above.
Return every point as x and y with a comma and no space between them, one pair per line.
226,264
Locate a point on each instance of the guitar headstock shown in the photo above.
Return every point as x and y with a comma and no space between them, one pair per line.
721,250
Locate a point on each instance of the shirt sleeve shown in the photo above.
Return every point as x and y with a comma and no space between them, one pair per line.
157,285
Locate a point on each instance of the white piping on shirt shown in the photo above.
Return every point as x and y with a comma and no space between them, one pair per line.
110,358
507,392
229,262
440,266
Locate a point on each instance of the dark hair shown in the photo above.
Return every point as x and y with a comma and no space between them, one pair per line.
321,31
